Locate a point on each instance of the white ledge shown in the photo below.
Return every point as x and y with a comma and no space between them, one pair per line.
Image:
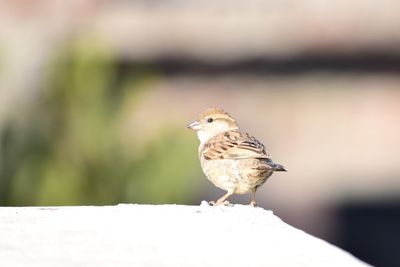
158,235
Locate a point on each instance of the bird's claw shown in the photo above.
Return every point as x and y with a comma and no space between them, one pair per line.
253,204
224,203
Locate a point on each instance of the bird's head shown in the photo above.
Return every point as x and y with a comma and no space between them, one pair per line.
211,122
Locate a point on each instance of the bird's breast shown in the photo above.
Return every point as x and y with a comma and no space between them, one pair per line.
239,176
222,173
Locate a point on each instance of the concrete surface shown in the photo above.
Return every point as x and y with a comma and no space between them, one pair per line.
158,235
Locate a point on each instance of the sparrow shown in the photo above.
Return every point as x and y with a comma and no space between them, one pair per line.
232,159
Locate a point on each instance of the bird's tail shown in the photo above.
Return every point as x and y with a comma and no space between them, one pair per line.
278,168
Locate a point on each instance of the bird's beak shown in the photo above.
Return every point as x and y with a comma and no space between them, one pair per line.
194,125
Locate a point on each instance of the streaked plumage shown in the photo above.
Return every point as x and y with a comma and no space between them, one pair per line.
231,159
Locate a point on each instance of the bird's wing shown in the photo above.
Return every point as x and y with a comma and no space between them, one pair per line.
234,145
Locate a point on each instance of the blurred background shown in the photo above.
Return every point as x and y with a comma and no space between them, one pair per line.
95,96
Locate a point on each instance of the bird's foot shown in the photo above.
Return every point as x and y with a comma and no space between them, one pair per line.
223,203
226,203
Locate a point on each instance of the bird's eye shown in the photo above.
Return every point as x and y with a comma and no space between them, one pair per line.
210,120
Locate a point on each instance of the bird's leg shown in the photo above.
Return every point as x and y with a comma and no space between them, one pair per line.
253,197
222,200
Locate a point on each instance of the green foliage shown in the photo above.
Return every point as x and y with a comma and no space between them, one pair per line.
68,150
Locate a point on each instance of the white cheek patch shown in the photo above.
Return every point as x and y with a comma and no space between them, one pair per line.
202,136
222,126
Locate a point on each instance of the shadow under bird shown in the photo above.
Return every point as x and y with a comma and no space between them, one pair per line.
231,159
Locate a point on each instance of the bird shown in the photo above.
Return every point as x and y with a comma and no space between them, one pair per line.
232,159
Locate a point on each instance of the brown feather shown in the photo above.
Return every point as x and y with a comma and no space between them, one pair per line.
234,145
